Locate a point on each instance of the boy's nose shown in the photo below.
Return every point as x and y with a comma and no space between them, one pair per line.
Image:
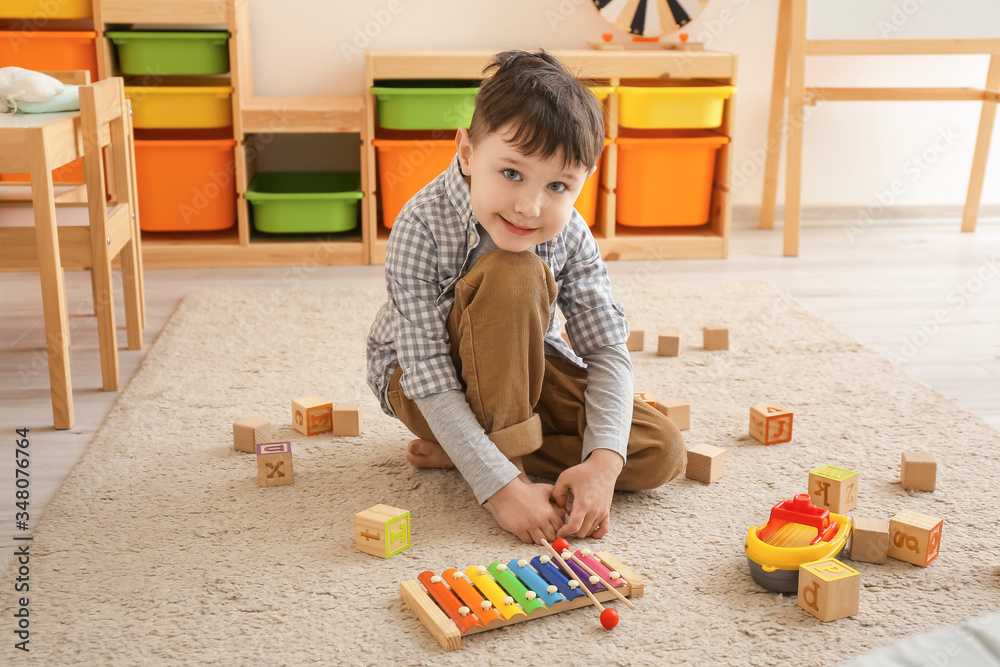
527,207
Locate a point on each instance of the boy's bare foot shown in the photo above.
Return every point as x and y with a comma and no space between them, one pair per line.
427,454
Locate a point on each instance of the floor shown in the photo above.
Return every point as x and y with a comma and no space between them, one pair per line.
914,288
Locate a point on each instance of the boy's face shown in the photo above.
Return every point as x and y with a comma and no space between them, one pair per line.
520,200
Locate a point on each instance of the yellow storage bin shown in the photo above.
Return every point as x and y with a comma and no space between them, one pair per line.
29,9
169,107
673,105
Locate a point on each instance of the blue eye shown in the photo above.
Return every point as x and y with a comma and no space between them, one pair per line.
558,187
512,174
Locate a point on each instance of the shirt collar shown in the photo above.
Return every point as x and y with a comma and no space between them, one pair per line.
459,193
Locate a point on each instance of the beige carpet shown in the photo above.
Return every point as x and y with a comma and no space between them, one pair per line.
161,548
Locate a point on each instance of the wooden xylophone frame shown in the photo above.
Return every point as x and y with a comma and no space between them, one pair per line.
449,636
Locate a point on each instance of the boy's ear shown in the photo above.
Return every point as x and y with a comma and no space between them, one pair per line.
463,145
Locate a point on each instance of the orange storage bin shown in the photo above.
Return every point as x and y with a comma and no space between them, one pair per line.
405,166
46,50
665,178
185,184
586,203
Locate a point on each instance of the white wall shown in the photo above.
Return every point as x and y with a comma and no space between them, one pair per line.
854,152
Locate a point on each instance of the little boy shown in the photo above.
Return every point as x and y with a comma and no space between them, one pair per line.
467,350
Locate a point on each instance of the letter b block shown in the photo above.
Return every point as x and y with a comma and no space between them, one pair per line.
382,531
915,537
834,488
312,415
274,463
829,590
770,423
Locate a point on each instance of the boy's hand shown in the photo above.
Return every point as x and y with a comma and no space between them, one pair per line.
592,484
525,509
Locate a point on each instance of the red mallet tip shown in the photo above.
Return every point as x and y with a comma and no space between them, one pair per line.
560,545
609,618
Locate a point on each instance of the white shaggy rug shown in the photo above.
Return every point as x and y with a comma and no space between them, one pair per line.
161,549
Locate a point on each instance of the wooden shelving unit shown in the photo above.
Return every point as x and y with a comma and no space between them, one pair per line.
251,116
616,241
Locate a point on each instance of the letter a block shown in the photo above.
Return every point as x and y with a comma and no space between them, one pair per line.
915,537
250,432
312,415
274,463
770,423
834,488
829,590
382,531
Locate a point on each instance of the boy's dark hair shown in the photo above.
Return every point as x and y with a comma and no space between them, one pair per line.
551,111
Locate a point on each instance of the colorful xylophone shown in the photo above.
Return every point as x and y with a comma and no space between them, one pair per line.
456,604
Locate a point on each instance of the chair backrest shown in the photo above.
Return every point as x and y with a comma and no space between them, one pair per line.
79,77
103,121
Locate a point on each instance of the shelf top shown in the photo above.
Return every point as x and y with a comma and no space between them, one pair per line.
595,63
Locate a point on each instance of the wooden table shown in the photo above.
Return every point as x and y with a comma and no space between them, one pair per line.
36,144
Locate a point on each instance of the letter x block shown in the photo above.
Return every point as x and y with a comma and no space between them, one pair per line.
382,531
274,463
833,488
312,415
915,537
829,590
770,423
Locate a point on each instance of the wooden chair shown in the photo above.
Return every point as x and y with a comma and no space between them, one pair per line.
791,49
113,231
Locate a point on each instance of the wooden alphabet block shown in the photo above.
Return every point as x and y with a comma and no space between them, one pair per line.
915,537
347,419
669,344
869,540
312,415
706,463
829,590
918,470
833,488
645,397
565,337
274,463
249,432
770,423
715,338
382,531
677,410
636,340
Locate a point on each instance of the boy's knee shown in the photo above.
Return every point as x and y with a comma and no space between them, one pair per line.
661,458
519,273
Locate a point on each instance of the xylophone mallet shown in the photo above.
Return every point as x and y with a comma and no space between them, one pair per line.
607,584
608,620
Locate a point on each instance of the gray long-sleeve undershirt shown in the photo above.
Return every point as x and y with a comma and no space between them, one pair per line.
608,403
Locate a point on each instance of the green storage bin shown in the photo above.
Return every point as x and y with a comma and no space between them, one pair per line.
171,53
425,104
296,202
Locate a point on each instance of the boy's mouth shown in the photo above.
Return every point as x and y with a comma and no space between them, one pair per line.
514,229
